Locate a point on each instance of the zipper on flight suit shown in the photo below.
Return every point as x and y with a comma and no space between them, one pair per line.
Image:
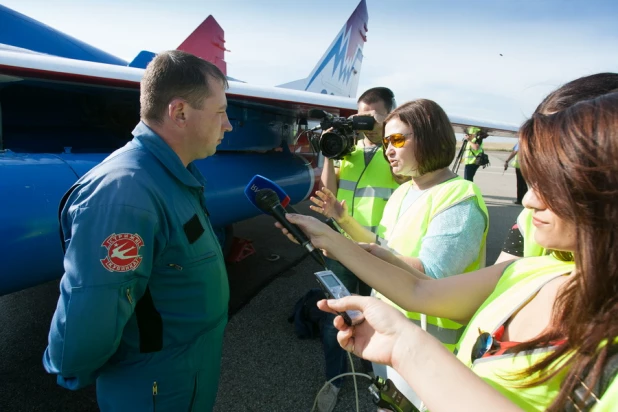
129,297
155,391
175,266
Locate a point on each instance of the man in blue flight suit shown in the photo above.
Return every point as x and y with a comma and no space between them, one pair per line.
144,296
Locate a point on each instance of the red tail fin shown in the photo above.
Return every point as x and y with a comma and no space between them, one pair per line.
207,42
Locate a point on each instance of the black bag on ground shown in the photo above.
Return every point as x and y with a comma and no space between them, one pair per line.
306,315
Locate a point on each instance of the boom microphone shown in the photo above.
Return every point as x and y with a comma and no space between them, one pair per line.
317,114
268,201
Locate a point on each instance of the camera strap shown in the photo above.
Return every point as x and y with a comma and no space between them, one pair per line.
369,153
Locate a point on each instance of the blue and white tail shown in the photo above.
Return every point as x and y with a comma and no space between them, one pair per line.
338,71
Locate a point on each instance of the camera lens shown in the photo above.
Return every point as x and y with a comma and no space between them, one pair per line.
333,144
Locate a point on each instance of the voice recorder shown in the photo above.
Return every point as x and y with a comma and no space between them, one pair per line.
334,289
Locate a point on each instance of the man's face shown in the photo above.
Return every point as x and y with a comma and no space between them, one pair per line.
378,111
207,125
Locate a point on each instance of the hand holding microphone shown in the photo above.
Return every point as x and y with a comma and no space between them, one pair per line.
268,201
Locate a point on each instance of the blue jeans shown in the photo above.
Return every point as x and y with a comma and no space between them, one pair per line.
335,358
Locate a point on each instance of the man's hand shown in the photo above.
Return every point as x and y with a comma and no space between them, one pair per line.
506,165
328,205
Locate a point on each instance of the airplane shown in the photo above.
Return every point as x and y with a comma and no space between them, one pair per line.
65,106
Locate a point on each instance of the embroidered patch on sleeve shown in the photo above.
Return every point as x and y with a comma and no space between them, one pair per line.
122,252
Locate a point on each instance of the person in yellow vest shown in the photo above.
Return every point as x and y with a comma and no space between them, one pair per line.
474,147
519,241
522,187
542,332
364,180
437,222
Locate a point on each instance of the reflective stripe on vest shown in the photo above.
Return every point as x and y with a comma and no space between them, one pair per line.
405,235
526,228
366,189
519,282
470,155
449,337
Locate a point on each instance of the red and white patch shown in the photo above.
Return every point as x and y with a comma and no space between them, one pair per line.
122,252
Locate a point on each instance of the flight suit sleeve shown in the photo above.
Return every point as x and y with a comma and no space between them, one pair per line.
108,261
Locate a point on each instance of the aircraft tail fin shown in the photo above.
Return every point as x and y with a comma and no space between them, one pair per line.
338,71
207,41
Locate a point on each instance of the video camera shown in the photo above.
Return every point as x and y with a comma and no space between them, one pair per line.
341,140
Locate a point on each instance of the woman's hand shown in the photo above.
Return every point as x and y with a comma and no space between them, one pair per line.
328,205
320,234
378,336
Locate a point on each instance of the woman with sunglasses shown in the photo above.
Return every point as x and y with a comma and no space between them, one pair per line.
437,222
542,333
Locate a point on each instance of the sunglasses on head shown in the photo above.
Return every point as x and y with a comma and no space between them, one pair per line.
396,139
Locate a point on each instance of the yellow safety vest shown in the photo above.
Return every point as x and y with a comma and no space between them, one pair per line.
520,281
515,162
526,228
470,155
366,189
405,235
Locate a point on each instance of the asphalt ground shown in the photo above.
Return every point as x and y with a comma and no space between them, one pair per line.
265,367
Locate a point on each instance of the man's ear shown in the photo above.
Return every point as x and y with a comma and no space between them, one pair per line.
177,112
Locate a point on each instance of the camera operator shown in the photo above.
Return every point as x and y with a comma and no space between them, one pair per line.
474,138
362,179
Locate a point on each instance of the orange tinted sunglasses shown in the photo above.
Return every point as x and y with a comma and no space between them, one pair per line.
396,139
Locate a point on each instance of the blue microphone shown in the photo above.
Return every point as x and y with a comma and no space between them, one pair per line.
270,198
260,182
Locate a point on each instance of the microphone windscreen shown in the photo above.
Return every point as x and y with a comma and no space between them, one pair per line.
317,114
260,182
266,199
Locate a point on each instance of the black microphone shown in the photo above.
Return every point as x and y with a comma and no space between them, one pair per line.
317,114
268,201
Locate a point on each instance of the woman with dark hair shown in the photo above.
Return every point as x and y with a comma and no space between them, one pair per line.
542,332
519,242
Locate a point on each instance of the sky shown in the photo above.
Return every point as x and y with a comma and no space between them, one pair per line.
486,59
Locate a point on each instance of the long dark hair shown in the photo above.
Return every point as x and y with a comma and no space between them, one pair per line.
582,88
570,158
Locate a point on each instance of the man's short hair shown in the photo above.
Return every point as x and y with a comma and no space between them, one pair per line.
379,94
176,74
432,133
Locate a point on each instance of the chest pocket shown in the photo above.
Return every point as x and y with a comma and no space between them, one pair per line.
200,260
193,229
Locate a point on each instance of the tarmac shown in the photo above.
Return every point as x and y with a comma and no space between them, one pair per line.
265,367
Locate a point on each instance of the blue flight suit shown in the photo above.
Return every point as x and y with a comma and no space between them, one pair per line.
144,297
